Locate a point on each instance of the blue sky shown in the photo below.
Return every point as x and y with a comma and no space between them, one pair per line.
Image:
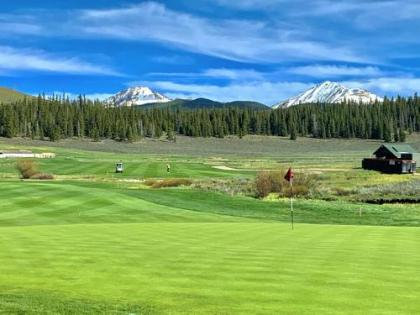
220,49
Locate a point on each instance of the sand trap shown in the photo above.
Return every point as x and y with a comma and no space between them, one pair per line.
224,168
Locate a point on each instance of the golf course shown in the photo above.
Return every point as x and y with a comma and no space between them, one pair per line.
90,241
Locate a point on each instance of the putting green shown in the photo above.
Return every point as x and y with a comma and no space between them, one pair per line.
217,268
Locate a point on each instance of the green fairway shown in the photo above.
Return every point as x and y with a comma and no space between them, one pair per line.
94,242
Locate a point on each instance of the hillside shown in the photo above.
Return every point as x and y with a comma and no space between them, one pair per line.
200,103
8,95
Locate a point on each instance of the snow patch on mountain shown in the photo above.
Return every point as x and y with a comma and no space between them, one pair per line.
330,92
138,95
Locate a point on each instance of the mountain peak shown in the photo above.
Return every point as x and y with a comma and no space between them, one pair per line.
330,92
137,95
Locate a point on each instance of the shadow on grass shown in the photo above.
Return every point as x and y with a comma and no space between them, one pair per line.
36,303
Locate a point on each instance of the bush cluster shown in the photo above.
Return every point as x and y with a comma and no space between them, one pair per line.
28,169
233,186
268,182
172,182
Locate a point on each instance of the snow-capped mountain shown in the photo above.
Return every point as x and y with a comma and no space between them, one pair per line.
138,95
330,92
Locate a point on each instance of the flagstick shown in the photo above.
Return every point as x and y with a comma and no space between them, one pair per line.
291,202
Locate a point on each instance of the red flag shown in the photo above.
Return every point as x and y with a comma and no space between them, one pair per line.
289,175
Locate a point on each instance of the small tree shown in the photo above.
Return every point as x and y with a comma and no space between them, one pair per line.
170,135
402,135
263,185
396,135
293,133
27,168
387,137
95,134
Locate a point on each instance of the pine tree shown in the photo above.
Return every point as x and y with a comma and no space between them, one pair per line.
402,135
387,132
293,132
396,134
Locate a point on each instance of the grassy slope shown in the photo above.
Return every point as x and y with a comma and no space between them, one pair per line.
9,95
106,246
34,203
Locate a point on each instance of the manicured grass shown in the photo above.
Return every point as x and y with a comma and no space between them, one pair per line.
81,164
33,203
216,268
74,202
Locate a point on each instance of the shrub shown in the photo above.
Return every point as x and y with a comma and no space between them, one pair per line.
149,182
268,182
303,185
232,186
277,181
27,168
263,186
168,183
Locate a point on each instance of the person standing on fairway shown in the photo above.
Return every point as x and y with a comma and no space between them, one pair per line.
168,168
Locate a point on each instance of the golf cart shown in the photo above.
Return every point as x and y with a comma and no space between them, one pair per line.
119,167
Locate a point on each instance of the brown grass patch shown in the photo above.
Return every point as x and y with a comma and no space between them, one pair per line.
172,182
268,182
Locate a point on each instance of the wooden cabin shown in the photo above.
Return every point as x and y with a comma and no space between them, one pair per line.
393,158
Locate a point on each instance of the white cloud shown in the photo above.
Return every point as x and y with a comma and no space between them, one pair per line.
19,25
250,4
233,74
13,28
174,60
367,14
389,85
217,73
238,40
13,59
333,71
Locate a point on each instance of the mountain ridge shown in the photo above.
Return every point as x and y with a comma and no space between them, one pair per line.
136,96
201,103
330,92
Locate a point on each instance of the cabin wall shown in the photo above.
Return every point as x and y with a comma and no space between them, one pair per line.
394,166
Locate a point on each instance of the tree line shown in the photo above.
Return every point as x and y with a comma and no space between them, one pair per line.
58,118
